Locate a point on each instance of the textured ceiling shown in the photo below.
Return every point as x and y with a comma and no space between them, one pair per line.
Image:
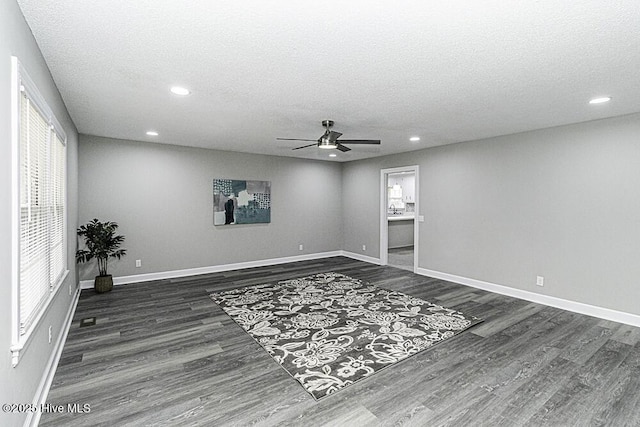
447,71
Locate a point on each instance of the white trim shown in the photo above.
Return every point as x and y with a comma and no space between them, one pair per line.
122,280
416,219
360,257
15,205
384,222
26,83
20,81
24,340
576,307
40,398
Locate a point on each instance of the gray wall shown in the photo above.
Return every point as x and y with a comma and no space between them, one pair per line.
19,384
562,203
162,198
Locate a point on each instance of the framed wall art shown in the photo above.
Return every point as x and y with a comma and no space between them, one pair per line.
241,202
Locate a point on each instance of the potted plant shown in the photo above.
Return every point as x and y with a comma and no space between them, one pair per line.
101,243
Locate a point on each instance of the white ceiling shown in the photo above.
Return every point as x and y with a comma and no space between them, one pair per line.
447,71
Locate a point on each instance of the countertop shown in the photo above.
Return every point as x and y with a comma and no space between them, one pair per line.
404,217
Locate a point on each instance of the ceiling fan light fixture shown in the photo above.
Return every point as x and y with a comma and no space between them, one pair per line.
326,143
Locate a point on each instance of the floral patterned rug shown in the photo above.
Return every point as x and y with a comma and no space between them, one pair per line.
330,330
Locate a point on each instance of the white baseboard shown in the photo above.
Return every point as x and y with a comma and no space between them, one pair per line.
40,398
576,307
360,257
123,280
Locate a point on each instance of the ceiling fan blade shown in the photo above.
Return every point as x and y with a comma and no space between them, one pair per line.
305,146
333,135
294,139
342,148
359,141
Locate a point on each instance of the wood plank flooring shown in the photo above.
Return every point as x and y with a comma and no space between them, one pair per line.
401,257
162,353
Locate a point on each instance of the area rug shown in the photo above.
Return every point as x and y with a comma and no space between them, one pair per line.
330,330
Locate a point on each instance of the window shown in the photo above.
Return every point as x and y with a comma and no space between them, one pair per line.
40,170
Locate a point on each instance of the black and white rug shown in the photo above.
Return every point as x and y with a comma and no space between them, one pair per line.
330,330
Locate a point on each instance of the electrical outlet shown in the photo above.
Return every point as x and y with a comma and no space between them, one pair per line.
364,247
50,333
138,263
300,247
540,281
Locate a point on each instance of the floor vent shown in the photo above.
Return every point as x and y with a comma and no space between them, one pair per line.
89,321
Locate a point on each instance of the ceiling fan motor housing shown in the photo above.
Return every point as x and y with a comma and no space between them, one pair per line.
327,123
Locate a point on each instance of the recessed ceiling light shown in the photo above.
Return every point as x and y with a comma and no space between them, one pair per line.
178,90
333,155
152,133
414,139
600,100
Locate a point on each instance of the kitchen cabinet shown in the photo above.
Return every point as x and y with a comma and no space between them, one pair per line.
409,189
403,186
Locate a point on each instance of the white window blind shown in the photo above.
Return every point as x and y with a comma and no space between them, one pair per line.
57,215
42,209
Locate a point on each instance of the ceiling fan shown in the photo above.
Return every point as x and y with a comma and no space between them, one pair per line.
329,139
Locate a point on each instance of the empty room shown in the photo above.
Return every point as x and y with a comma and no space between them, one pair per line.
229,213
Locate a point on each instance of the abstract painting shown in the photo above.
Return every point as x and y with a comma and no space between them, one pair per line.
241,202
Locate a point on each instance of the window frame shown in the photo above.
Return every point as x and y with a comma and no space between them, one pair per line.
20,81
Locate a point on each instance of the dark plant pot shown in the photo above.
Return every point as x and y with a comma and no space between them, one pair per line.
103,283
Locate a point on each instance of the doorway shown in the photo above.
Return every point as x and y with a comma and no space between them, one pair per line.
399,208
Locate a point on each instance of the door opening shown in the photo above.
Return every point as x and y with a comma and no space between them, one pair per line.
399,207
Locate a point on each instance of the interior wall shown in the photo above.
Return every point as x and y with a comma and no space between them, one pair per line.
561,203
20,384
162,198
361,204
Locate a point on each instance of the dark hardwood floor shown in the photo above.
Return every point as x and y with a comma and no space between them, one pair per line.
162,353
